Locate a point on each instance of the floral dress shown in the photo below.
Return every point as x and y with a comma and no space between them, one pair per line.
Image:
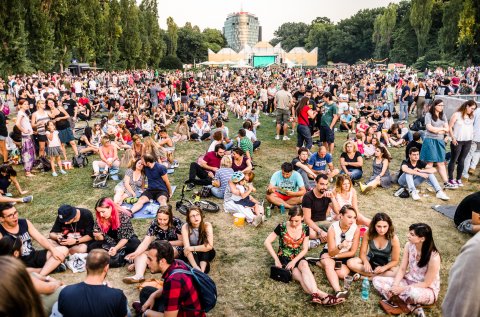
171,234
411,295
288,247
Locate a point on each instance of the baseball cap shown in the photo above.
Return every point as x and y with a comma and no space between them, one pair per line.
66,213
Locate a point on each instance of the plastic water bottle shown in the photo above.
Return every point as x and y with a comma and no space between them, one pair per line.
365,289
282,209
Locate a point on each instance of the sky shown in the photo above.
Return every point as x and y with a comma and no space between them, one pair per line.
271,14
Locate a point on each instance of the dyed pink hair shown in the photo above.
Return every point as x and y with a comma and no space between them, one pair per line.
114,221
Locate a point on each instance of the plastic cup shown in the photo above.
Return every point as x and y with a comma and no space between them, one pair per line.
347,282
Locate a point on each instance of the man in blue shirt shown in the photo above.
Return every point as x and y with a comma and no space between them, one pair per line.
322,163
286,187
159,188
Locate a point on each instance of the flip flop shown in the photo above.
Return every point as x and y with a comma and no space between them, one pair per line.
356,277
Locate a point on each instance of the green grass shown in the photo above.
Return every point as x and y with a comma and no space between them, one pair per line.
241,269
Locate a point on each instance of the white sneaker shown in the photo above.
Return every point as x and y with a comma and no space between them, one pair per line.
398,192
293,132
285,138
414,194
277,137
441,194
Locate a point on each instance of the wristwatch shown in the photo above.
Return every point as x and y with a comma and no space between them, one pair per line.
77,241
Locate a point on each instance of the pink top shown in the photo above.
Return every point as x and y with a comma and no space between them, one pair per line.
417,274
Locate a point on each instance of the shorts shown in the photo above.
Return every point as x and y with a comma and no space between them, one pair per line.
66,135
326,134
42,138
283,116
344,260
285,260
36,259
154,194
466,226
245,202
282,196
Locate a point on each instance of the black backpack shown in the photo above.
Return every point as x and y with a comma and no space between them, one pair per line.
42,164
80,161
418,124
205,286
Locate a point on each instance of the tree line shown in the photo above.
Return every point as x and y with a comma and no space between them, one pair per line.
422,33
47,35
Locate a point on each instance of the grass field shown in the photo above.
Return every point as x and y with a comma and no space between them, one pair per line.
241,268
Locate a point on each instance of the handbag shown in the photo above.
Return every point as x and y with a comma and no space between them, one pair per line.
118,260
280,274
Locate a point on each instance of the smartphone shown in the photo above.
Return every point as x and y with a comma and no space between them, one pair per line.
338,265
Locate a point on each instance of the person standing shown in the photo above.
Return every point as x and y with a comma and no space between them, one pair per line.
304,113
327,122
283,102
28,147
473,155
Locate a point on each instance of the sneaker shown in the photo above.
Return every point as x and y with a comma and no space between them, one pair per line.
399,192
27,199
175,164
342,294
61,268
293,132
441,194
450,185
419,312
314,243
459,183
54,174
277,137
63,172
190,186
414,194
285,138
257,221
312,260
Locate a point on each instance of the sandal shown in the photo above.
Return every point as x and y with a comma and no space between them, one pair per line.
342,294
400,303
328,300
356,277
418,312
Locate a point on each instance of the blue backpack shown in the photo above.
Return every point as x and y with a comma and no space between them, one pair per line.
205,286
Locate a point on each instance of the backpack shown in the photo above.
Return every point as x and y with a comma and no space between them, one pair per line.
418,124
80,161
100,181
205,286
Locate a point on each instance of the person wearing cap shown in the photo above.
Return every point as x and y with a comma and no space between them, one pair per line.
73,228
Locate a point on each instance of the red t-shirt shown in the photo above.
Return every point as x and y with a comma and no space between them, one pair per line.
303,116
212,159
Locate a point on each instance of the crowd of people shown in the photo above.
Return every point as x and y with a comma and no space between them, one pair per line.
140,118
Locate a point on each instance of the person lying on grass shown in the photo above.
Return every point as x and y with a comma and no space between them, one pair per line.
293,246
380,249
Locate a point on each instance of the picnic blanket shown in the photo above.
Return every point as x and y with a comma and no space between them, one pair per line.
446,210
149,210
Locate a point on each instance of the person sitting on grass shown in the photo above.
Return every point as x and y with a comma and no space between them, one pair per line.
108,158
286,188
202,173
380,250
300,164
73,228
417,281
347,195
132,184
414,143
245,143
7,176
351,161
238,199
414,171
321,163
165,227
343,238
381,173
197,235
159,188
42,261
222,177
467,215
347,121
293,246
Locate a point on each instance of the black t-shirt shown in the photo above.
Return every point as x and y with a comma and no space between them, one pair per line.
84,226
69,106
469,204
295,161
420,165
352,160
80,300
318,206
3,125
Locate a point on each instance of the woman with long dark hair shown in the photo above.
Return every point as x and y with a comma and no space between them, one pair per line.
433,148
198,240
461,129
417,281
304,113
293,246
28,147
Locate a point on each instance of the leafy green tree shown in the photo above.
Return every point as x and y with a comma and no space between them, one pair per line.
319,36
291,34
449,30
171,62
468,30
191,44
130,44
214,39
420,19
172,36
383,28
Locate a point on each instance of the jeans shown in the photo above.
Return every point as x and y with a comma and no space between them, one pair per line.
256,144
307,181
391,107
472,158
355,173
403,110
197,171
304,136
217,192
411,181
145,294
459,153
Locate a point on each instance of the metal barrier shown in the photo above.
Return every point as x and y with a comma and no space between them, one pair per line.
452,103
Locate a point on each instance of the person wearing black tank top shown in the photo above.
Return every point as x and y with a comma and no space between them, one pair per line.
46,260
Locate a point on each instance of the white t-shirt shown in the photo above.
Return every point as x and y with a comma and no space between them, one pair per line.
55,140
